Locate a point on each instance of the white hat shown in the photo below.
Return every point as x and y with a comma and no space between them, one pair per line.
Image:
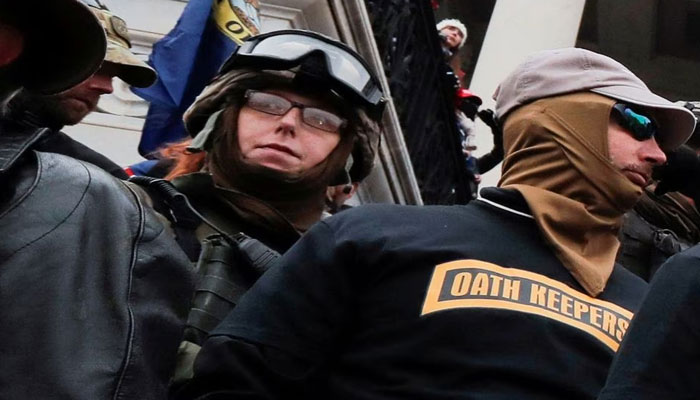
457,24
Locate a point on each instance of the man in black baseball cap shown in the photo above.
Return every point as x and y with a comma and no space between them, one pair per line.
87,310
45,49
71,106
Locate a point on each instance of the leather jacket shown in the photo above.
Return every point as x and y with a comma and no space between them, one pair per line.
94,292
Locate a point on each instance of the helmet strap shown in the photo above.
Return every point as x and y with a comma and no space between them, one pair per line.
202,141
343,177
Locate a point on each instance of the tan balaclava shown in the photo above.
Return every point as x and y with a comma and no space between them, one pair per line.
556,156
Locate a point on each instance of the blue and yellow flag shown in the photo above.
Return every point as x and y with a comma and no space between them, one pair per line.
187,58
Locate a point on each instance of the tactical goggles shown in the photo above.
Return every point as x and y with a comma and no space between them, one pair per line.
641,126
287,49
277,105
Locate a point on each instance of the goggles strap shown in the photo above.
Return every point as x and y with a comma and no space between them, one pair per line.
314,71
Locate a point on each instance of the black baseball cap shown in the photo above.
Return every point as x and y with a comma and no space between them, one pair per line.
64,43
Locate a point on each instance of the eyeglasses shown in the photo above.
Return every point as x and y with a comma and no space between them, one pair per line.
641,127
273,104
286,49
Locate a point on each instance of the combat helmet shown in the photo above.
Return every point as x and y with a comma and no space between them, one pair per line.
303,59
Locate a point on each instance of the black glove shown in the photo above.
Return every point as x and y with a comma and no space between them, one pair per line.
489,118
486,162
681,173
469,108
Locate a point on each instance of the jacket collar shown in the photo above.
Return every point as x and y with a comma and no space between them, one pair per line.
507,200
15,140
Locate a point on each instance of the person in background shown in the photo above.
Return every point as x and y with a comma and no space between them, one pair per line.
663,222
94,293
467,110
453,34
290,114
336,196
508,297
73,105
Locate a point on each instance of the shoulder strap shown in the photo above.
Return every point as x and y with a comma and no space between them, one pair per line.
180,211
177,207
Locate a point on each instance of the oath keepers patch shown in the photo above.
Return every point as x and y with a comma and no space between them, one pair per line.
478,284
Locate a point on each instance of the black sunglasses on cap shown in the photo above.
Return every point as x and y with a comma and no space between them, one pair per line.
641,126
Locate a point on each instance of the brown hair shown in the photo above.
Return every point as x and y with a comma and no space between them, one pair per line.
185,162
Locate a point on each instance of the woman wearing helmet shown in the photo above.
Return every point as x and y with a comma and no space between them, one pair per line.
267,142
274,129
290,114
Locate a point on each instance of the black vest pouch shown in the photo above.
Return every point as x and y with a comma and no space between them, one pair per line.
222,282
227,268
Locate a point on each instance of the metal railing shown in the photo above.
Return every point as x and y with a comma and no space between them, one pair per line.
413,62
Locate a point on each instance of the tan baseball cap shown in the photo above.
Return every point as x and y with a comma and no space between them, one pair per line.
131,69
63,43
555,72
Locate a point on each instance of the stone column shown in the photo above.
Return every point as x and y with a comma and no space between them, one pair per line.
518,28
